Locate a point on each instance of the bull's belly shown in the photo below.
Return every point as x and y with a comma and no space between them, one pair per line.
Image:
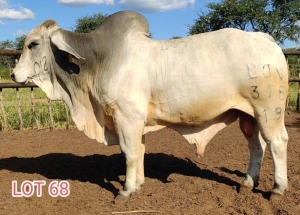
198,113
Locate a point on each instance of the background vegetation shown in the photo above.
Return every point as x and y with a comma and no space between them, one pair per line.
278,18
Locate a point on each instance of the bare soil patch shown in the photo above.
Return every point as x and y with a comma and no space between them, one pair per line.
177,182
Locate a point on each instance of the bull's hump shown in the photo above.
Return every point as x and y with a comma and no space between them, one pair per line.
125,21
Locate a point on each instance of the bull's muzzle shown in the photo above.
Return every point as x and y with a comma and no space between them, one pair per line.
12,76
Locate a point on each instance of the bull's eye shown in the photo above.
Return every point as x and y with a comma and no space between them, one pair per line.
32,45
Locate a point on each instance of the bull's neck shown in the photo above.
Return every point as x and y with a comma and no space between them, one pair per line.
83,43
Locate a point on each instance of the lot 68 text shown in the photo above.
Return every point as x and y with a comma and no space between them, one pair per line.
29,188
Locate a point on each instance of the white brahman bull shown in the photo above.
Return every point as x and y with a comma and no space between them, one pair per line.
120,84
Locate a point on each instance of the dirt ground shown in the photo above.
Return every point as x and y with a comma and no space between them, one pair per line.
177,182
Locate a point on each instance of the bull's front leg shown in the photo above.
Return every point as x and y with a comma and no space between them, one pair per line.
130,133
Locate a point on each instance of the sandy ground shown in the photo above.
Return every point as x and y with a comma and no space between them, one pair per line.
177,182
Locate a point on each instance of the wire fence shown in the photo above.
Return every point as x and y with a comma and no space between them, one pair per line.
26,107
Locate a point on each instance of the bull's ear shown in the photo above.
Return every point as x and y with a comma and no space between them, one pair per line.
58,40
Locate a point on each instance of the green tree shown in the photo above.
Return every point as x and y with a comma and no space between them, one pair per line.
87,24
175,37
6,62
279,18
7,44
19,42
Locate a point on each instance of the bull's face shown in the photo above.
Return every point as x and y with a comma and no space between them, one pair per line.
37,63
34,63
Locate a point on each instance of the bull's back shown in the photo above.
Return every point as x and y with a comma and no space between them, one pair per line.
195,79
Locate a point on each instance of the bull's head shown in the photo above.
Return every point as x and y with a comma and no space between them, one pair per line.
49,58
36,63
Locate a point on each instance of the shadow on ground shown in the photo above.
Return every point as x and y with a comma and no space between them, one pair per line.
101,169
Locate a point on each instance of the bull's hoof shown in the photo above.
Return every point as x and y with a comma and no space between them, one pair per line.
123,196
244,190
278,192
121,199
275,197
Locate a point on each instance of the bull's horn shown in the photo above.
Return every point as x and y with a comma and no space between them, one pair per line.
49,23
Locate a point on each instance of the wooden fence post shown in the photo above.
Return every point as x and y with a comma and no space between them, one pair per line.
50,114
4,117
298,84
67,115
19,109
298,98
33,108
294,79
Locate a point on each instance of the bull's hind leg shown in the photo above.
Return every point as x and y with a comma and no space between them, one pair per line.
274,133
257,147
278,148
259,134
